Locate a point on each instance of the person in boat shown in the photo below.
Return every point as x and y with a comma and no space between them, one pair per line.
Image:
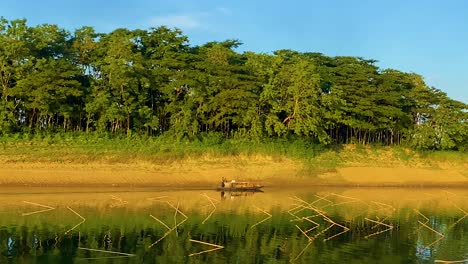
223,182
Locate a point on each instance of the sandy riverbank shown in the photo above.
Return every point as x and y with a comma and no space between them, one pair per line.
207,172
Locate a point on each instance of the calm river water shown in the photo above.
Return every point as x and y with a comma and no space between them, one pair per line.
324,225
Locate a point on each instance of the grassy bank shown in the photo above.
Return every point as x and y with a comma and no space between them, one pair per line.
139,160
101,148
86,148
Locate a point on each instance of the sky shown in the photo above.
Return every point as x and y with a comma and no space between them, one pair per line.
428,37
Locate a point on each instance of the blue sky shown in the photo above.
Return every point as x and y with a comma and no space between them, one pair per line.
429,37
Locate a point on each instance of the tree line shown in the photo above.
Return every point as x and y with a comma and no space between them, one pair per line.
154,82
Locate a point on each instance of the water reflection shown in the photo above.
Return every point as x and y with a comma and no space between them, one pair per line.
278,226
233,194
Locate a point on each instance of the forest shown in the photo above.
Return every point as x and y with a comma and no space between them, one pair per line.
154,82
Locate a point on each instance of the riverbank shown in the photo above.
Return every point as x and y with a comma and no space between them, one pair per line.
186,176
53,165
94,160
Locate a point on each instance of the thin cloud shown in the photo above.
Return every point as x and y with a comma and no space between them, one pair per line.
178,21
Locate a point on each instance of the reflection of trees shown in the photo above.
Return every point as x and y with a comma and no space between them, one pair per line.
274,241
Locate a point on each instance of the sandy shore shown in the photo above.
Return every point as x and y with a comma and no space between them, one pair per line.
202,173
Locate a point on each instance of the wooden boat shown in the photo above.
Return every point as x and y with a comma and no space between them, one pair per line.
234,186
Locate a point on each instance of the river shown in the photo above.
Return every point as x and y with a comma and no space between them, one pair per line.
310,225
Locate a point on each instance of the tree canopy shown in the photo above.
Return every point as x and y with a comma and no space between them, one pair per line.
154,82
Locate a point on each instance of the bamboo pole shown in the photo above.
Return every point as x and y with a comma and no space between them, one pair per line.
441,236
311,221
302,252
345,229
450,261
265,212
352,200
460,209
205,243
177,209
458,221
323,231
389,227
342,232
167,233
304,233
175,219
157,198
308,205
322,198
36,212
161,238
293,212
343,196
41,205
419,213
83,220
119,201
175,214
322,214
107,251
96,258
161,222
333,223
341,203
290,211
208,217
48,208
378,218
216,247
433,243
214,208
170,230
426,220
210,198
377,222
383,205
432,229
205,251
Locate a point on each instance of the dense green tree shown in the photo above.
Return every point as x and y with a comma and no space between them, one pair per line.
153,82
14,52
117,90
168,60
293,96
440,122
47,91
392,116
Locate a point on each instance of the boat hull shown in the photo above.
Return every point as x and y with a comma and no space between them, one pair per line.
240,189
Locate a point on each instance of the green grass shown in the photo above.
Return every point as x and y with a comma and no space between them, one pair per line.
445,155
82,148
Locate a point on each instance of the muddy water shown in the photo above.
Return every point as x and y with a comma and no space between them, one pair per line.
327,225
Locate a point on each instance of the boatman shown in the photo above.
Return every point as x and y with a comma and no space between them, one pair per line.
223,182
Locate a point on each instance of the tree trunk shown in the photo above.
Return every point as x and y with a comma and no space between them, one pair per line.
128,122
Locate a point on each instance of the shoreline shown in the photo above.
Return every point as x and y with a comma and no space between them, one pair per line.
206,187
206,174
60,166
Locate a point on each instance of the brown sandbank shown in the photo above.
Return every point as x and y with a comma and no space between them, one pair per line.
207,172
